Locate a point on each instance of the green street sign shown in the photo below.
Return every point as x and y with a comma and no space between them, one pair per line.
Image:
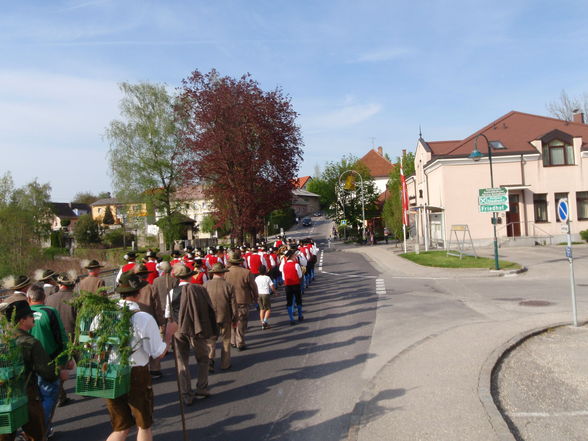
493,208
343,222
492,200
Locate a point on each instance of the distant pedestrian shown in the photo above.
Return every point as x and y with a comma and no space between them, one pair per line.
61,301
92,282
191,322
386,234
131,259
149,301
224,303
292,275
243,282
265,287
47,277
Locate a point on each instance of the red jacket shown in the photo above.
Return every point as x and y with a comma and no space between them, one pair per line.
152,267
254,263
291,273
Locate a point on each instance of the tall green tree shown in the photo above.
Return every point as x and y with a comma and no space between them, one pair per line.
87,230
25,219
341,201
87,197
145,154
392,212
108,218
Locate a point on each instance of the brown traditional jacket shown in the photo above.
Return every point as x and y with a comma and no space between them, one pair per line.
223,300
91,284
163,285
148,301
61,301
243,283
196,317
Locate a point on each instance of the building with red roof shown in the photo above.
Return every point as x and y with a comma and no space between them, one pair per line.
378,166
543,161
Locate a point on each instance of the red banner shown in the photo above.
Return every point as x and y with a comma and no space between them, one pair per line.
404,195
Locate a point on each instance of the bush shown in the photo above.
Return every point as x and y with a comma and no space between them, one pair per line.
87,230
116,238
51,252
584,235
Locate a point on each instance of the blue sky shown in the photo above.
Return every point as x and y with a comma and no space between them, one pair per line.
354,69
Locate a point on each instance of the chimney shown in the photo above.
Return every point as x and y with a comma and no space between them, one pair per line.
579,117
403,153
380,151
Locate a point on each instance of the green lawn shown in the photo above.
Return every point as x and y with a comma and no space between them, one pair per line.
442,260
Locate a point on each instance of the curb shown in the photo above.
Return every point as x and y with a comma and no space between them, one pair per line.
502,426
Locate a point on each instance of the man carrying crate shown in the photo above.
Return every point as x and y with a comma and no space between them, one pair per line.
36,361
136,407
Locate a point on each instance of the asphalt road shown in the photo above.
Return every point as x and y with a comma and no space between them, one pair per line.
292,383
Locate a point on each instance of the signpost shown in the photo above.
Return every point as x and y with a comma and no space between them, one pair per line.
563,213
492,200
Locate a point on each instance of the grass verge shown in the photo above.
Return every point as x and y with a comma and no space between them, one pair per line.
442,260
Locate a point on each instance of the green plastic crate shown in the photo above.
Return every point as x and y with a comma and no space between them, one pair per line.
92,382
12,420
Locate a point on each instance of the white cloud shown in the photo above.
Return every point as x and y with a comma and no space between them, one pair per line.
383,54
342,117
51,107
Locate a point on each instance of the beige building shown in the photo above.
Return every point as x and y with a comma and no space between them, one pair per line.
544,160
118,210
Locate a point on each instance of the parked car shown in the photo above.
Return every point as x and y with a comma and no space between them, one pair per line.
317,213
306,222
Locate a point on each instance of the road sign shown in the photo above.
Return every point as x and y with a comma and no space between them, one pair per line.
569,252
343,222
493,208
563,210
492,200
565,228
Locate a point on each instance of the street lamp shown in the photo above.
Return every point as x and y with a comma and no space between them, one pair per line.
476,155
362,199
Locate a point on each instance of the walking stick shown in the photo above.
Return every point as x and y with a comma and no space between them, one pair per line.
179,391
173,341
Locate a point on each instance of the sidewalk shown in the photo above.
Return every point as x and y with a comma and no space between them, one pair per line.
437,387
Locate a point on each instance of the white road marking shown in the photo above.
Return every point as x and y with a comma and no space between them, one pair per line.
547,414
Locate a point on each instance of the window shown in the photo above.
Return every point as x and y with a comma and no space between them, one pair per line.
558,197
540,206
557,152
582,204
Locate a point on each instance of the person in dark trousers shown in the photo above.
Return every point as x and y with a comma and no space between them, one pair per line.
49,330
136,407
36,363
292,275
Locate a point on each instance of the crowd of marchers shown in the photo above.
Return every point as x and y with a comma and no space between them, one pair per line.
187,303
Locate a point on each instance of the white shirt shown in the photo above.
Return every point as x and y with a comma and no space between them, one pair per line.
264,284
146,340
167,313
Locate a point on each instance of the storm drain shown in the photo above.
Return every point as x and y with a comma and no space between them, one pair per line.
535,303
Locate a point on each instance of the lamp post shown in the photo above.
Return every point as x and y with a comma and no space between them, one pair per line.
362,200
476,155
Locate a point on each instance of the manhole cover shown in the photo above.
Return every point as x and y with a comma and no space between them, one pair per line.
509,299
535,303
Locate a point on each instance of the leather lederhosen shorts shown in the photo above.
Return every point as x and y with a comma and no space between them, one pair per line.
136,407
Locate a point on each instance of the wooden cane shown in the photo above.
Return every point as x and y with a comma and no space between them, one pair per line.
179,391
174,349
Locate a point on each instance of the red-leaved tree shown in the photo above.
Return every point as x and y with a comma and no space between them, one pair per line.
245,144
